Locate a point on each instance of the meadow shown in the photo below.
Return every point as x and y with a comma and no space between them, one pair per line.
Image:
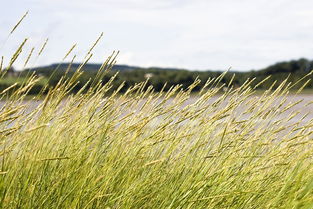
102,148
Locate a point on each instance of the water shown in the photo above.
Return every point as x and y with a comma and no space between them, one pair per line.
302,107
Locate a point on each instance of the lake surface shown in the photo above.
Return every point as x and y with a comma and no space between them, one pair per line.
302,107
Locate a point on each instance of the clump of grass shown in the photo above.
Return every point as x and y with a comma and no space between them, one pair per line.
141,149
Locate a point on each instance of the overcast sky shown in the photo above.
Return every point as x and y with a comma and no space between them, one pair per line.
192,34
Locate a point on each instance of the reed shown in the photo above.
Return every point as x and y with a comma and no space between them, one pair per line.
146,149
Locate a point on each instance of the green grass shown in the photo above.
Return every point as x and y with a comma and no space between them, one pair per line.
141,149
148,150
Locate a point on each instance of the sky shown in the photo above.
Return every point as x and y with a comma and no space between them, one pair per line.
191,34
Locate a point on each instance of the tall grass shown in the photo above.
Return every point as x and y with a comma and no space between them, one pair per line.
141,149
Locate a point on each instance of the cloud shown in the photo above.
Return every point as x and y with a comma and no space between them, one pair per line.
198,34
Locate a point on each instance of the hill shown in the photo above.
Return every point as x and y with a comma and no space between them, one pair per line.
294,69
74,66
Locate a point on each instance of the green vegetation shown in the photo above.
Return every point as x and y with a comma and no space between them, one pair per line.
103,146
143,149
295,70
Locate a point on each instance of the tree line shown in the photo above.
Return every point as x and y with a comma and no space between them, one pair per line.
157,77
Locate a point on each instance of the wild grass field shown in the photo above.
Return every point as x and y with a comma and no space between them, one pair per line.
146,149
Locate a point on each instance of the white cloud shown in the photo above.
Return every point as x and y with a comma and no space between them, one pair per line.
198,34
